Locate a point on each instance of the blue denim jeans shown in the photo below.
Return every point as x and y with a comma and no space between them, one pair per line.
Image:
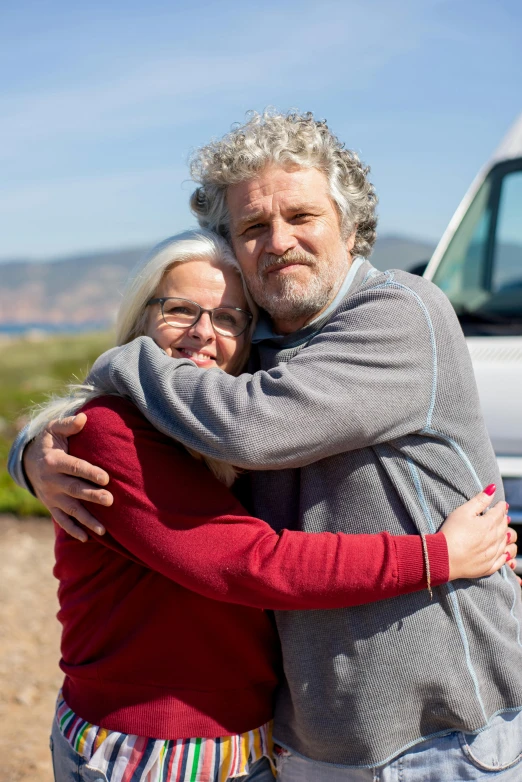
494,753
69,766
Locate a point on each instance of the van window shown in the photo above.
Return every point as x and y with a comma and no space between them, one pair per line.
481,270
507,269
460,273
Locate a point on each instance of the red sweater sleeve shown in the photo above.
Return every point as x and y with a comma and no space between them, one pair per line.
172,515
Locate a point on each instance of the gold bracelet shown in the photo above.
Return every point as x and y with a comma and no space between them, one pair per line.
427,564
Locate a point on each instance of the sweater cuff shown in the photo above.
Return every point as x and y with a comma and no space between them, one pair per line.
15,461
410,560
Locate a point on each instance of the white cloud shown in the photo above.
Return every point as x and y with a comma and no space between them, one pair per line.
89,213
34,195
337,49
347,45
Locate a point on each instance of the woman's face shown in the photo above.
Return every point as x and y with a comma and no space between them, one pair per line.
209,287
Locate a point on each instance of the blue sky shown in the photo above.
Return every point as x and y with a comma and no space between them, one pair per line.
101,104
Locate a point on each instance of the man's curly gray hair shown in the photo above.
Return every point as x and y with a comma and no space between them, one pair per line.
290,139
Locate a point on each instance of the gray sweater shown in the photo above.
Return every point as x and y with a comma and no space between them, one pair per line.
367,420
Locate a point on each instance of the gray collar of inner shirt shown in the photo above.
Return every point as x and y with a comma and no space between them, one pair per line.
265,331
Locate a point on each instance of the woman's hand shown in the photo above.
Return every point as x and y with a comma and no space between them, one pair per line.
61,481
479,540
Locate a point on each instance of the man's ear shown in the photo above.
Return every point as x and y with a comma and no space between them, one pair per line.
350,241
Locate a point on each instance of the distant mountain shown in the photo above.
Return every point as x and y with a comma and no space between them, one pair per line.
73,291
399,252
86,289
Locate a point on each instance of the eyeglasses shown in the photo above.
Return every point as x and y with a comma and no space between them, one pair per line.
183,313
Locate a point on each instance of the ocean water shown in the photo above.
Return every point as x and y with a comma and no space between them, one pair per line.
19,329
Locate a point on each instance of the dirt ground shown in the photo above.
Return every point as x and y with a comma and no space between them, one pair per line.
29,649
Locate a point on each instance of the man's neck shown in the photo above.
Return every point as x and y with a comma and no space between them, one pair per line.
284,327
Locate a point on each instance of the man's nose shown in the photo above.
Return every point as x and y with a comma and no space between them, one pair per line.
281,238
203,330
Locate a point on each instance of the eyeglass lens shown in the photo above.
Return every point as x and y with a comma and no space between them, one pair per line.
183,313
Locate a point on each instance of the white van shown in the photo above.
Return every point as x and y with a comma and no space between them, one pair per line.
478,264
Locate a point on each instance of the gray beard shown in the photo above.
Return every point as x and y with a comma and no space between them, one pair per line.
290,301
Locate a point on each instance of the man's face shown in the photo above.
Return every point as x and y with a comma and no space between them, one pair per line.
286,234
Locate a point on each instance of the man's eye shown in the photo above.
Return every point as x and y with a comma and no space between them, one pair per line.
254,227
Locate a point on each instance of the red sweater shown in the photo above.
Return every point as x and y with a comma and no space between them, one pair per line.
164,632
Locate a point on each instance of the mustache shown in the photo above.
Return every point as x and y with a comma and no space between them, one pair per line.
271,261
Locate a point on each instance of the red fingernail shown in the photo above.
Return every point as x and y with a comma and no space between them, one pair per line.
490,490
507,505
508,556
509,519
508,536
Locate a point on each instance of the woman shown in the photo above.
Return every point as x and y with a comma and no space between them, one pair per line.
170,665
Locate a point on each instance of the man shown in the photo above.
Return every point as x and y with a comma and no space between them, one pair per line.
363,408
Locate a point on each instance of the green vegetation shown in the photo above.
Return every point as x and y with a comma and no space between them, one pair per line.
31,370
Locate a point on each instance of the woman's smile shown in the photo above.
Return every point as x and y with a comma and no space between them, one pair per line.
204,360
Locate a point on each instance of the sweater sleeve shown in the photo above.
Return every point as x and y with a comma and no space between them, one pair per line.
173,516
15,464
366,378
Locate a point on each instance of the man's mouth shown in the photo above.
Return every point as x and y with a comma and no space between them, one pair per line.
273,264
287,267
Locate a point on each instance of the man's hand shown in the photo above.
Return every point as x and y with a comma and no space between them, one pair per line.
61,481
479,540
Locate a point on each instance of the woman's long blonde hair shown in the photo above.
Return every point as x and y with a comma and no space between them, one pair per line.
132,318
